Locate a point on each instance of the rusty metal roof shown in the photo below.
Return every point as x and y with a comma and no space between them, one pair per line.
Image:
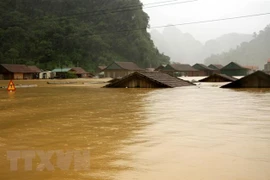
204,67
218,66
18,68
182,67
129,66
258,79
34,69
163,79
224,77
79,70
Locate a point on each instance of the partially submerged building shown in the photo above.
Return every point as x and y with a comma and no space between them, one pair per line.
258,79
148,80
234,69
81,73
267,67
216,66
180,70
159,68
77,72
204,70
61,72
218,78
18,71
47,75
121,69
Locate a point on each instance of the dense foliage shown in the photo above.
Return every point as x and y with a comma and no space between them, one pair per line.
87,33
256,52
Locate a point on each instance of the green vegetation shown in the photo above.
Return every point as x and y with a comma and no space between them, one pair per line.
65,33
256,52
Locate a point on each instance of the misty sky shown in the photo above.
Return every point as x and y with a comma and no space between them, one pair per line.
211,9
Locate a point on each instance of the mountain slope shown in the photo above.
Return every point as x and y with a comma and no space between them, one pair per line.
184,48
256,52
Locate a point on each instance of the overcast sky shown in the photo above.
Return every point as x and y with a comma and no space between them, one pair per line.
207,10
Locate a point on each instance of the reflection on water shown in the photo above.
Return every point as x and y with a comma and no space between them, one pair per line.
183,133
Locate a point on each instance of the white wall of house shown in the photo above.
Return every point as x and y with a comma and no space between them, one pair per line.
46,75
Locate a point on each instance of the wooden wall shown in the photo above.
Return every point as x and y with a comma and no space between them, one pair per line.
116,73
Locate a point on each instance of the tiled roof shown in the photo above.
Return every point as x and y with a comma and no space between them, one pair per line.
204,67
79,70
34,69
218,66
163,79
128,66
257,79
224,77
183,67
17,68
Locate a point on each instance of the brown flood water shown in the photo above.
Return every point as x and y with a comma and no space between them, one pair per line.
185,133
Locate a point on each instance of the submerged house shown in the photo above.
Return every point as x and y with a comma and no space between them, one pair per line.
234,69
81,73
18,71
148,80
215,66
76,72
46,75
218,78
159,68
258,79
121,69
61,72
204,70
180,70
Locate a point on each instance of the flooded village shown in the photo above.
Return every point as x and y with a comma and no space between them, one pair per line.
134,90
135,127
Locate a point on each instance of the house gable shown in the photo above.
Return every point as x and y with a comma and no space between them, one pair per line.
233,65
257,79
168,68
114,66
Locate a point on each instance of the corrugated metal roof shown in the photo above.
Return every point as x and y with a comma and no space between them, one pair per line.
163,79
225,78
182,67
129,66
204,67
17,68
61,70
237,66
34,69
258,79
79,70
218,66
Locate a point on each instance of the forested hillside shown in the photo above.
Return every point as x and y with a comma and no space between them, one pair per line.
256,52
53,33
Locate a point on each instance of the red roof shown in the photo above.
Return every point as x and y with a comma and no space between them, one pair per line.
20,68
268,60
79,70
34,69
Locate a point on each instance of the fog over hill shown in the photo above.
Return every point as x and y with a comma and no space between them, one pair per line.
184,48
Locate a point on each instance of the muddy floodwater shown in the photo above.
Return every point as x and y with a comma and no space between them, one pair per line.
190,133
